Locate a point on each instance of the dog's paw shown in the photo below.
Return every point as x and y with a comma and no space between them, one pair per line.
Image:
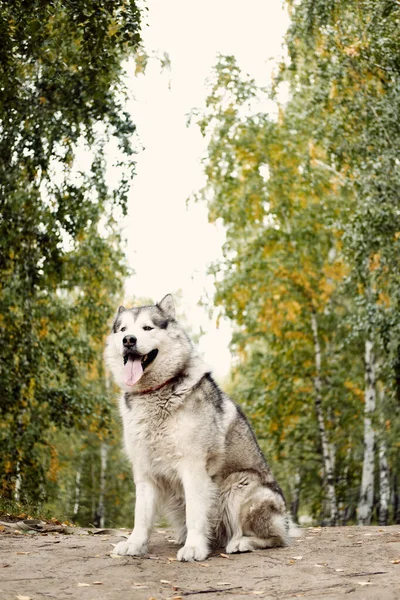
130,548
242,544
191,552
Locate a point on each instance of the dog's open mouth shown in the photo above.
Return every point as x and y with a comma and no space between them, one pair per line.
135,364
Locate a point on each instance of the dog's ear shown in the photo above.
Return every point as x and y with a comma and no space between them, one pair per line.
116,322
167,305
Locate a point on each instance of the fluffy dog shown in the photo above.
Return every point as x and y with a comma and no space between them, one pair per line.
194,455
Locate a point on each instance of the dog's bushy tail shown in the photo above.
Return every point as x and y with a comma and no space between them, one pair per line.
282,527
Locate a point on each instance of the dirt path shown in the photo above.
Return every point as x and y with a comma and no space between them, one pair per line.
346,562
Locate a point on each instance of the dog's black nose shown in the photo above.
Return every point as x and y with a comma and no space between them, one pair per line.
129,340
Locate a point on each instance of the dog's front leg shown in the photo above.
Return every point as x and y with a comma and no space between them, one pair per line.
199,498
136,544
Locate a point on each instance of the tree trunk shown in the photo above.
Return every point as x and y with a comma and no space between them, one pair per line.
384,481
17,488
103,472
367,483
384,485
327,454
93,489
346,508
294,505
77,490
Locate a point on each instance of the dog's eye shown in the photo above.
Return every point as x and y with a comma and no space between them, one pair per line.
147,328
123,328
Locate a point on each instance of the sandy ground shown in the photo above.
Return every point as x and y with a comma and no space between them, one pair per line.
345,562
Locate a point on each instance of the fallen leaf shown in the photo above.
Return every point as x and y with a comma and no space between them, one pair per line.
364,582
23,597
165,581
22,553
339,570
225,555
83,584
321,566
97,583
223,583
297,557
172,559
203,565
396,561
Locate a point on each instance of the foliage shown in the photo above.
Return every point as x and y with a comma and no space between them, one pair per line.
61,103
345,58
308,199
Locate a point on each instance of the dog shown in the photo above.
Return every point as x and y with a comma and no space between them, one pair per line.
193,453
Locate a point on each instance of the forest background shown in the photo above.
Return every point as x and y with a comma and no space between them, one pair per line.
308,198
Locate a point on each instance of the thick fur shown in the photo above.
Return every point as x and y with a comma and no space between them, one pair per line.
194,455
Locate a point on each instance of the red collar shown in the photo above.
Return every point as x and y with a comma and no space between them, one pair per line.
154,389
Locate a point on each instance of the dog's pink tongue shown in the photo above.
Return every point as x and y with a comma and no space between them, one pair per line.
133,371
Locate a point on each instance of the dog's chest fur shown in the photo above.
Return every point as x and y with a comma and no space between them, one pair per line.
154,434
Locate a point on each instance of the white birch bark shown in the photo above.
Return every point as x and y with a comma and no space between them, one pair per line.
384,481
366,501
17,488
103,473
77,491
384,485
326,450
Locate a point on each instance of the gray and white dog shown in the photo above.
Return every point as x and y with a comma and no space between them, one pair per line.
194,455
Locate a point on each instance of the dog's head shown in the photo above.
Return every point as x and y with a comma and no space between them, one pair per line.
146,346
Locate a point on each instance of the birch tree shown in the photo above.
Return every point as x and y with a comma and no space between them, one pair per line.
279,264
329,477
345,56
309,200
61,89
78,478
368,470
100,512
384,476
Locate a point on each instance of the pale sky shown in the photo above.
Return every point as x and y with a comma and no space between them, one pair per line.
170,244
